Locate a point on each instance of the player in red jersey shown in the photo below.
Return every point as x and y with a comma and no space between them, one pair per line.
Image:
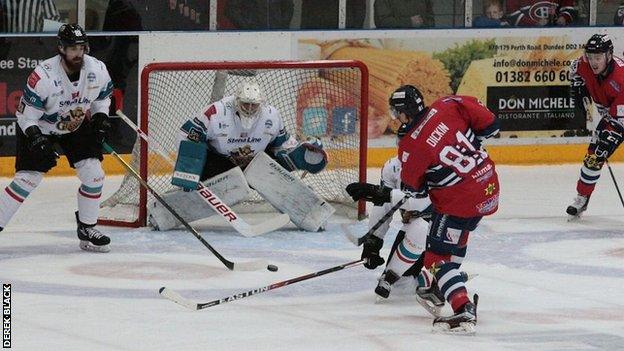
441,156
540,13
599,76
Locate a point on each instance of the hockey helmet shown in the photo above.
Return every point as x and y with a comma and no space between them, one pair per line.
248,100
599,43
406,99
72,34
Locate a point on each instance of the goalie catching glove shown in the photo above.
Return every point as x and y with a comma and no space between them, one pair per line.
308,156
376,194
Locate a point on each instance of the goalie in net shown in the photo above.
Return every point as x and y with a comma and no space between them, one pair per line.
238,142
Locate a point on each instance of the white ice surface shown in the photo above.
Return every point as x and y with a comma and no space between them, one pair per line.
544,283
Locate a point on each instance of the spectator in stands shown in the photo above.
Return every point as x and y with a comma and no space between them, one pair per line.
403,14
323,14
618,18
493,15
260,14
541,13
23,16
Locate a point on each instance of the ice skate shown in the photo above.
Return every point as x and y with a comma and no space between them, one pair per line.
463,321
430,298
91,239
385,285
578,206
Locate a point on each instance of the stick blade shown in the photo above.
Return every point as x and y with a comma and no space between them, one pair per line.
250,266
177,298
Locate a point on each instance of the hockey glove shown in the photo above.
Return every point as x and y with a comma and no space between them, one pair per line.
376,194
100,125
370,252
39,143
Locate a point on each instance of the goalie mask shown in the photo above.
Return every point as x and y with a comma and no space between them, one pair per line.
248,102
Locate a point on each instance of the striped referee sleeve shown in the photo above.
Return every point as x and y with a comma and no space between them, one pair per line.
27,15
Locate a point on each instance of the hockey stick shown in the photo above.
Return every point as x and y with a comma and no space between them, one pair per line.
226,212
360,240
245,266
615,182
177,298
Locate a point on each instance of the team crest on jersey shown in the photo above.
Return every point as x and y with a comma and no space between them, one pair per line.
73,121
268,123
243,155
91,77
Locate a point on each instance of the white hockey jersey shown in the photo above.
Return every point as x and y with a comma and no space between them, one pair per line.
219,126
59,106
391,178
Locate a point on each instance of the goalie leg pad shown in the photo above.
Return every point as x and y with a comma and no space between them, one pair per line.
230,186
287,193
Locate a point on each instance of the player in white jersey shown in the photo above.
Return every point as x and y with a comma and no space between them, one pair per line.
227,134
65,105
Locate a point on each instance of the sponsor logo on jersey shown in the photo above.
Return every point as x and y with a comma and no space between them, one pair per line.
404,156
268,123
620,110
488,205
82,100
614,85
21,106
223,125
33,78
244,140
483,174
489,190
91,77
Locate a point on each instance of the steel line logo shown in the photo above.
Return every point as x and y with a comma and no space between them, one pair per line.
6,316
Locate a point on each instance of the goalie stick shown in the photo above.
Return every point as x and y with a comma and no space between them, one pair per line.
190,304
358,241
244,266
226,212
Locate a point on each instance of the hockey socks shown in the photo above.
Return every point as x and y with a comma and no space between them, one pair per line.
91,175
16,192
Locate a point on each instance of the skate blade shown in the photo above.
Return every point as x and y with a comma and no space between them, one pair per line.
574,218
431,308
464,328
380,300
87,246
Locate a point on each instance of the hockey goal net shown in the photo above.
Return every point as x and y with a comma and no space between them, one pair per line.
324,99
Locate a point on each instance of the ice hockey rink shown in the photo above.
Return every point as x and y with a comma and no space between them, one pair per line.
544,283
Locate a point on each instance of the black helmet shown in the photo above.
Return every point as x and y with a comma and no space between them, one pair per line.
599,43
71,34
402,131
406,99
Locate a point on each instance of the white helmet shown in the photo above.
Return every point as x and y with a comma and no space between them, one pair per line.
248,101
